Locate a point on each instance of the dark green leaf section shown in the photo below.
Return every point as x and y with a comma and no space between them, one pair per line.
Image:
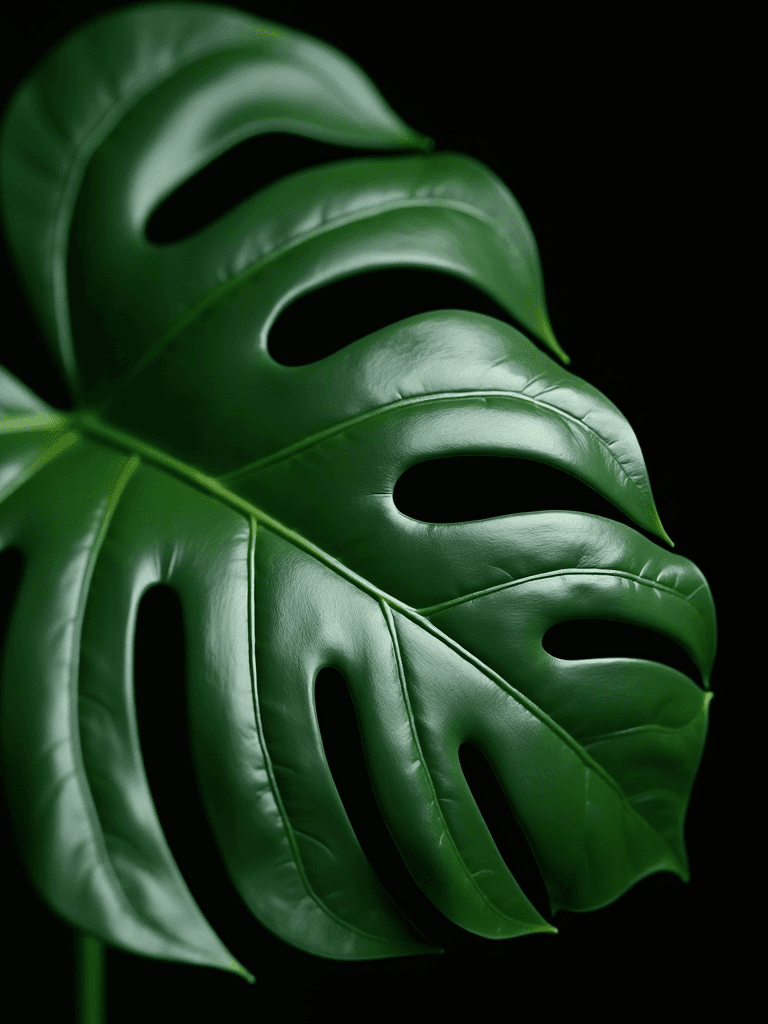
263,496
178,83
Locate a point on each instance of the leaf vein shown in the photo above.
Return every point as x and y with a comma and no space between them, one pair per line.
423,761
273,785
213,486
584,571
445,396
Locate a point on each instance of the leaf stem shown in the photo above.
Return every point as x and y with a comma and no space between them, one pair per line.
90,979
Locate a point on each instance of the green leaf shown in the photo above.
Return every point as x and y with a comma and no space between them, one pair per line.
263,495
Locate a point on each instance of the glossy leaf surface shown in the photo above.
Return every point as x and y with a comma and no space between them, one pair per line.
263,495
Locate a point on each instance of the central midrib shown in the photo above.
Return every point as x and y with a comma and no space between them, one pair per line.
90,425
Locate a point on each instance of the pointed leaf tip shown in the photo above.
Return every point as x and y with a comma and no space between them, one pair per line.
412,139
665,535
235,967
546,928
657,526
548,337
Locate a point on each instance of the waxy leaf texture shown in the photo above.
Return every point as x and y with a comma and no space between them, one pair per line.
262,495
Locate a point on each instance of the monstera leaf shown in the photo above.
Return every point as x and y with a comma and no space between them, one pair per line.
263,496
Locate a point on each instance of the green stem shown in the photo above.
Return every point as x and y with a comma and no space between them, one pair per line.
90,979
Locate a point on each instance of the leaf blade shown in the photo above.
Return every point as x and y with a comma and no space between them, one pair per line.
264,496
70,804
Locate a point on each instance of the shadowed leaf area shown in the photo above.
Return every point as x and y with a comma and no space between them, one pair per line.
503,826
161,702
346,760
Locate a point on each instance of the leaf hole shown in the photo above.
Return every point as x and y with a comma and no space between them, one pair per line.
161,702
323,321
471,487
238,173
344,754
504,827
11,570
26,353
579,639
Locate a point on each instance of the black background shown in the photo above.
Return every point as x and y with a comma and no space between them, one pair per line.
603,131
